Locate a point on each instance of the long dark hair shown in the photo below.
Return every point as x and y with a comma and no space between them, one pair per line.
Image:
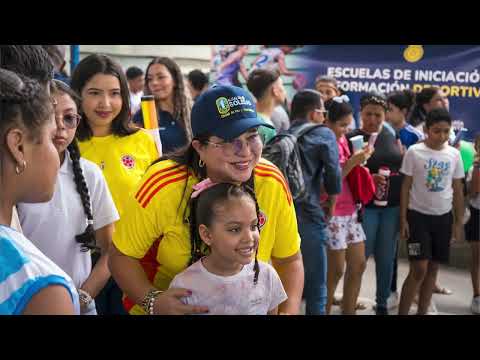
87,238
337,110
202,213
102,64
181,105
423,97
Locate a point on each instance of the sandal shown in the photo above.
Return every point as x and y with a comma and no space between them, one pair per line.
359,306
442,291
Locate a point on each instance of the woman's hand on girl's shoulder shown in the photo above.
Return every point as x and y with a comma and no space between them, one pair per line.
169,303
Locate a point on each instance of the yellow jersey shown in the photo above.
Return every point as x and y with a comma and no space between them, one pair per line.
123,161
155,226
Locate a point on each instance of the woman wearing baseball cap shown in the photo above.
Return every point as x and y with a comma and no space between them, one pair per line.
153,241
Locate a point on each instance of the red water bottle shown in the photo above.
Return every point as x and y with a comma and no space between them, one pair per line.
381,193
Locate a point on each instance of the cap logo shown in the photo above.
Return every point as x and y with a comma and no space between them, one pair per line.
233,105
222,105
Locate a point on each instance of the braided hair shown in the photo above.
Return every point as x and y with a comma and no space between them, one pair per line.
201,212
87,238
29,60
23,102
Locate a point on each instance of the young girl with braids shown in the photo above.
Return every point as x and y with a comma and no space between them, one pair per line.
30,283
81,211
225,223
107,138
152,242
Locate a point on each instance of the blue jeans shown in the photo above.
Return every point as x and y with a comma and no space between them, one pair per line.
381,226
314,253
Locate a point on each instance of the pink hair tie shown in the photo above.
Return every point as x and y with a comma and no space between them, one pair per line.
201,186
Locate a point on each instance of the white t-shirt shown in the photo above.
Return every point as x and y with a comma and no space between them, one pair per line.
280,118
135,101
24,271
433,172
15,224
475,202
232,295
52,226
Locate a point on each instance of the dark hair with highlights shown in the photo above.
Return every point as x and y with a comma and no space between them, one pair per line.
202,212
182,106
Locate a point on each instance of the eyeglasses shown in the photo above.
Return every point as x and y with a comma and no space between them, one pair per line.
235,146
70,121
321,111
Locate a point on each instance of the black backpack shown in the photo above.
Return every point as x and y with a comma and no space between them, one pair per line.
284,151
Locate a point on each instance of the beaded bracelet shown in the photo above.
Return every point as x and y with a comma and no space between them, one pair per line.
149,300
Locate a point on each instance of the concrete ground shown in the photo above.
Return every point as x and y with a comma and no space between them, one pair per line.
457,280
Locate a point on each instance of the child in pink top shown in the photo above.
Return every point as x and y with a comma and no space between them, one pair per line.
344,233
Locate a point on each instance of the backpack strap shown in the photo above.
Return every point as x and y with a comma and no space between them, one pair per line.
303,129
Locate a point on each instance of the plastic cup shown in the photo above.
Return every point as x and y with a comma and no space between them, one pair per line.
357,142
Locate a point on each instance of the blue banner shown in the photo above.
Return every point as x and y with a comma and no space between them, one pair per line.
386,68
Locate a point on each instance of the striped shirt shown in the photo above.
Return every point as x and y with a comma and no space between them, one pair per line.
155,226
24,271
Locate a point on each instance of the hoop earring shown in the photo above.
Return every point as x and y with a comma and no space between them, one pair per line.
201,163
18,170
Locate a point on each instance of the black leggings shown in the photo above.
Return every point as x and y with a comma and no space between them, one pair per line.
393,286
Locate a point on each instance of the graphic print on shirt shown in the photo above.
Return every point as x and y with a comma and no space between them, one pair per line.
128,161
262,219
437,171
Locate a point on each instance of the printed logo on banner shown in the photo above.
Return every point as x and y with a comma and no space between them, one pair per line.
413,53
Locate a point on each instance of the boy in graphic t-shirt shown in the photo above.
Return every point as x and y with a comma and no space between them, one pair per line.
433,182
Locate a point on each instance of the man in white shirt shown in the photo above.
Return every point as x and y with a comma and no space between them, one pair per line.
136,83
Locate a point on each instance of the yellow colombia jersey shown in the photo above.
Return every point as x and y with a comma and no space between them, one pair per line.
123,161
158,211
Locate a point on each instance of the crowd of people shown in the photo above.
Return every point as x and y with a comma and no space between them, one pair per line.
254,204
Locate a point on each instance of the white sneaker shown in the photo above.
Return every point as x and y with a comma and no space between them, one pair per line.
475,305
393,300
